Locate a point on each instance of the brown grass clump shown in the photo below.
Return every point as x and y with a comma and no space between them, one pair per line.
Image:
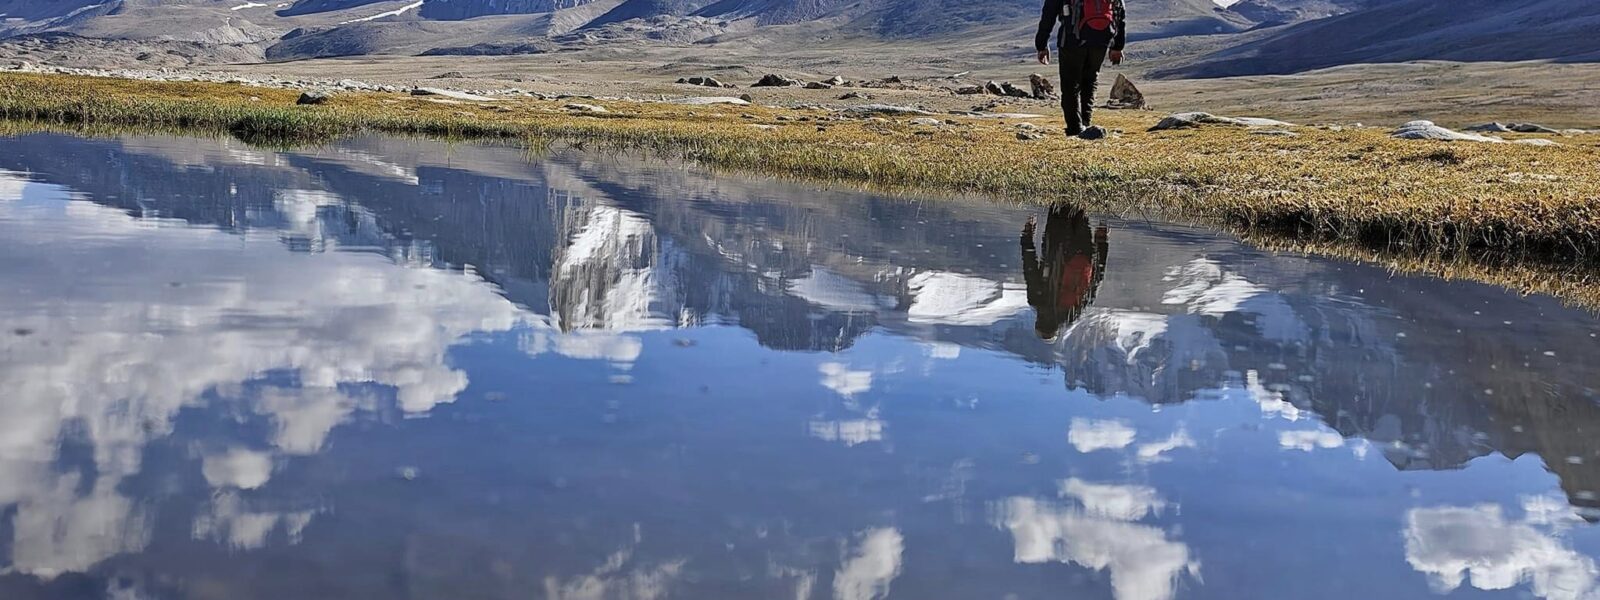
1354,188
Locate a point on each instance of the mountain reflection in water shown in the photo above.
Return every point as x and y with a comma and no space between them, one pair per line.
404,368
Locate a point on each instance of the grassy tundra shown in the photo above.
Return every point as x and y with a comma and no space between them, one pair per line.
1431,206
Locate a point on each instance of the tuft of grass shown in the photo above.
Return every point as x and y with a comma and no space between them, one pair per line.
1350,188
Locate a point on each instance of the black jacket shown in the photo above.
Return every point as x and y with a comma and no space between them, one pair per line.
1069,32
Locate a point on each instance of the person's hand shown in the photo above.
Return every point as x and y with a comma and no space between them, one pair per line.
1044,57
1116,57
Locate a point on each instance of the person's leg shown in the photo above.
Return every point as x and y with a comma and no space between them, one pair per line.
1089,78
1072,62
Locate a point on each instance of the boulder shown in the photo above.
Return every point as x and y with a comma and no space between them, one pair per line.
855,96
835,80
1197,119
1489,128
1041,87
818,85
969,90
1124,94
585,108
1014,91
1530,128
993,88
926,122
704,82
1427,130
775,80
313,97
451,94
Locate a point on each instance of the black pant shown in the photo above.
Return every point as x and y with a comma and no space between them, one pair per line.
1080,73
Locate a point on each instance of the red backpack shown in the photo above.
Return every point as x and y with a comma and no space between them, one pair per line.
1093,14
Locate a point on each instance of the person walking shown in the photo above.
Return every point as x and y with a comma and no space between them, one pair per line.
1091,32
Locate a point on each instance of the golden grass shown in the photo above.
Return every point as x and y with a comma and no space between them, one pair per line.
1355,189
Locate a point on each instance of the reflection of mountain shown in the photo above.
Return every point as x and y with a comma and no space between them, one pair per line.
608,246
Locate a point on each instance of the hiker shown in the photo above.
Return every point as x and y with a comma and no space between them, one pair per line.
1091,31
1064,282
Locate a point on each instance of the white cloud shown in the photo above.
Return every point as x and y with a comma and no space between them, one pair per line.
866,574
1088,435
1452,545
840,379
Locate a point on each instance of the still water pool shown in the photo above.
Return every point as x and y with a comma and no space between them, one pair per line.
406,369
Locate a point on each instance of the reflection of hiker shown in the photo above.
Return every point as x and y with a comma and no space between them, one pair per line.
1089,30
1062,284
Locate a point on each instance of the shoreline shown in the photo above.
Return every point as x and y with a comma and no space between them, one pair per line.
1325,189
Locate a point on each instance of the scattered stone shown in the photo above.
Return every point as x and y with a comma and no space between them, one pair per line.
885,109
775,80
969,90
993,88
586,108
450,75
451,94
1427,130
835,80
1014,91
818,85
1041,87
926,122
709,100
1124,94
855,96
314,97
1029,136
1094,132
1489,128
1027,127
704,82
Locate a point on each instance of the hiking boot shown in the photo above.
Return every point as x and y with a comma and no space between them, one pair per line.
1094,132
1074,131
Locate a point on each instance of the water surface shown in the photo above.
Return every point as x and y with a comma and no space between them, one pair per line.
407,369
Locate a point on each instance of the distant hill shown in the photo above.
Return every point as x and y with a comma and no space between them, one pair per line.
1406,30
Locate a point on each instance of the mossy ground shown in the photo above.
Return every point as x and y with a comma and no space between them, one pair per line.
1352,188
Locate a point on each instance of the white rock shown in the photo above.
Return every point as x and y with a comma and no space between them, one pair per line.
590,108
451,94
1536,142
708,100
926,122
1427,130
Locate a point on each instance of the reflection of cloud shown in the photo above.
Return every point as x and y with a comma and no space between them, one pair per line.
1143,563
616,580
1271,402
943,350
1211,291
850,432
840,379
1155,452
836,292
1120,502
1308,440
1089,435
874,564
227,520
173,313
954,299
237,468
1451,544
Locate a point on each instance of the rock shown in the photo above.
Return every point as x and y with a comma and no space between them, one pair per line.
20,65
1041,87
1094,132
1489,128
855,96
1029,135
835,80
763,127
1260,122
885,109
1014,91
818,85
704,82
1536,142
993,88
926,122
450,75
747,97
585,108
775,80
1124,94
351,84
968,90
1027,127
313,97
451,94
1426,130
1197,119
708,100
1530,128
